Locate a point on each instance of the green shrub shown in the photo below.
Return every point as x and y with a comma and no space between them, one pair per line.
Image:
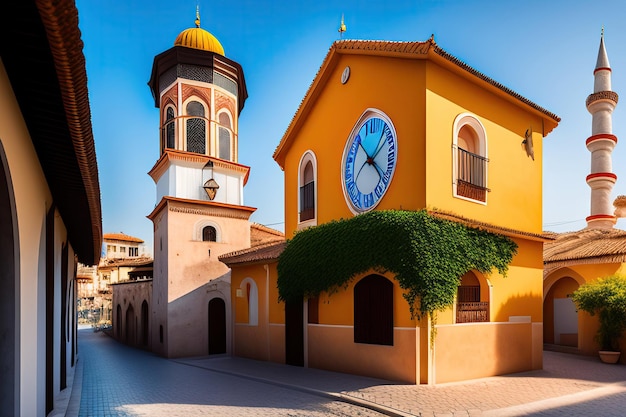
605,297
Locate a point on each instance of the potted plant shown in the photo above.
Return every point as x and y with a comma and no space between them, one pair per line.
605,297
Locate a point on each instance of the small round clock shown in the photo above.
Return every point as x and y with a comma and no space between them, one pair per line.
369,161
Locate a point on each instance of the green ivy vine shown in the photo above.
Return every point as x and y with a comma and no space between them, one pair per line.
427,255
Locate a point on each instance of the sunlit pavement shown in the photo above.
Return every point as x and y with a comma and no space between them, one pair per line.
121,381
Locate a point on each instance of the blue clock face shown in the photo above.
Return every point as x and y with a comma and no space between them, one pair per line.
369,163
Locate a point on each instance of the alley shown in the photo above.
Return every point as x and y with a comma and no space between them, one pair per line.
121,381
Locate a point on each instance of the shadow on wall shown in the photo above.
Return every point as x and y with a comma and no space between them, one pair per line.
199,321
518,343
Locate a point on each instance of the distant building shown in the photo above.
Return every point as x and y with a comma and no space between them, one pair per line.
50,212
124,261
120,245
404,126
575,258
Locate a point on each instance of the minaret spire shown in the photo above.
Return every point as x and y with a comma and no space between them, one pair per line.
601,143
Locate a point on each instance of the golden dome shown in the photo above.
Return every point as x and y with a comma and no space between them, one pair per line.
199,38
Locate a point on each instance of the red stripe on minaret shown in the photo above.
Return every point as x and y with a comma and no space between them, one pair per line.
600,217
601,175
601,136
602,69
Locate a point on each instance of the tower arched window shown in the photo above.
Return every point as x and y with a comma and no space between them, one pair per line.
209,234
470,158
169,129
196,127
307,196
224,135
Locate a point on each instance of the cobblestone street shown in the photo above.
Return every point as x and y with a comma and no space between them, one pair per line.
121,381
115,380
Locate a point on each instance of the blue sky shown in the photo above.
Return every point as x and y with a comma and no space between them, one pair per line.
543,50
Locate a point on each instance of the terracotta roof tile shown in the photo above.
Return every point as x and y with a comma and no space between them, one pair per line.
122,237
543,237
43,36
587,246
260,235
139,261
266,253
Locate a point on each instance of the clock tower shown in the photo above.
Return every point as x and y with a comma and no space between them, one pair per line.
200,212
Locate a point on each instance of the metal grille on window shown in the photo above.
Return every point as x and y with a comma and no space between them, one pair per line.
209,234
169,128
472,170
224,143
196,128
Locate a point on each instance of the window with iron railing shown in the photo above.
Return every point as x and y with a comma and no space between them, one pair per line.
469,308
307,201
471,175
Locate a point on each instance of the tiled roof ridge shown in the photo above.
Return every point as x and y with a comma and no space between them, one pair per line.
406,47
264,228
488,226
263,248
597,245
60,20
122,236
422,48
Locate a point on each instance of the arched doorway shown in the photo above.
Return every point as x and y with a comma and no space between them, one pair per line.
217,326
9,290
559,314
144,323
373,311
131,338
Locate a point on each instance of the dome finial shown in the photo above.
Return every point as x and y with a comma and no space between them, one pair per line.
342,27
197,15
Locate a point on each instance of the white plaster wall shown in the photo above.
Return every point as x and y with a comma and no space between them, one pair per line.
186,182
32,200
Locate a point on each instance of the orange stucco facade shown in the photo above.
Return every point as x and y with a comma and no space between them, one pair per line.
427,96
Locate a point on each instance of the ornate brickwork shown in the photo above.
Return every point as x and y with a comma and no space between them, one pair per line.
602,95
204,94
223,101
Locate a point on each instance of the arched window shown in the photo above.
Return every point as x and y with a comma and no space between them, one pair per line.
470,307
224,136
196,128
307,175
470,158
209,234
169,128
373,311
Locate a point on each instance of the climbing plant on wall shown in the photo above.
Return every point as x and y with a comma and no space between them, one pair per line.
427,255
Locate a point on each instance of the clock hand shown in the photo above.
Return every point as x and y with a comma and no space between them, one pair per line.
380,171
356,176
363,147
380,145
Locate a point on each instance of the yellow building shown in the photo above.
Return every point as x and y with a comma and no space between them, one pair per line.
405,126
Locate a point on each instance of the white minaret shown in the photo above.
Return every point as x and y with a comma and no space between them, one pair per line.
601,143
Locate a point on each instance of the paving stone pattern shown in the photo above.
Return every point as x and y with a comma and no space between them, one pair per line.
120,381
